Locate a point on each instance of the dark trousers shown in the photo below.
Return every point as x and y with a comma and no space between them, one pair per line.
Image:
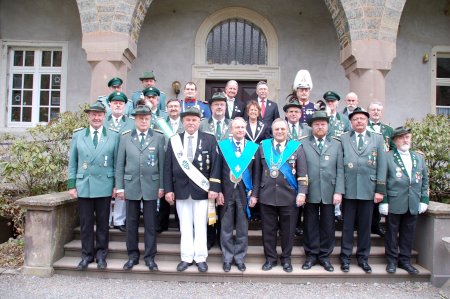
399,249
359,211
319,231
164,214
299,217
233,214
213,231
94,211
274,217
376,217
149,212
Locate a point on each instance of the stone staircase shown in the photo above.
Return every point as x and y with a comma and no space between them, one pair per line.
169,256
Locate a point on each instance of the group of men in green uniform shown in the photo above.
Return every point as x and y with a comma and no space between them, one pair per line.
199,157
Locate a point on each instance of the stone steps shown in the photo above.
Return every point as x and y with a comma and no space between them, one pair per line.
255,254
167,272
172,236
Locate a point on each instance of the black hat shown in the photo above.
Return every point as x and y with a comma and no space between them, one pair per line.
318,115
115,81
147,75
218,96
400,131
292,103
331,96
96,107
358,110
118,96
191,111
142,110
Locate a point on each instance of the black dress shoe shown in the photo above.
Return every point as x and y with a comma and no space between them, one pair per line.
241,267
408,268
83,264
183,266
327,266
202,267
152,266
391,268
299,231
345,267
378,231
365,266
122,228
268,266
308,264
101,264
226,267
287,267
129,264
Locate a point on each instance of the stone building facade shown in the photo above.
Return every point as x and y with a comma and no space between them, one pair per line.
57,54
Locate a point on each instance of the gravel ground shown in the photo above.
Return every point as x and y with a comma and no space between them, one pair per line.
58,286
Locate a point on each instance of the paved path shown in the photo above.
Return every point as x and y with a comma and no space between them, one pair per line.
14,285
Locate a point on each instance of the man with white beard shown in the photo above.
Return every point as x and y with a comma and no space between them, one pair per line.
352,103
407,196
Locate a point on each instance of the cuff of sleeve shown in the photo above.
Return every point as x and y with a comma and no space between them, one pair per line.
120,190
380,188
425,199
71,184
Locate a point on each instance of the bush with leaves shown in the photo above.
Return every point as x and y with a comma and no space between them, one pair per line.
37,162
432,137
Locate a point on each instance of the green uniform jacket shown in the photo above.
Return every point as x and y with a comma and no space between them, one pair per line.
365,170
405,193
91,170
207,125
159,114
139,170
339,125
387,133
325,170
125,124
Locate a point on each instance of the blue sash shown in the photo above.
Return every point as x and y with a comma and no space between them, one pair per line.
238,165
272,155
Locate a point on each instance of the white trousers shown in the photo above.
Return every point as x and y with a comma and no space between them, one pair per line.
193,216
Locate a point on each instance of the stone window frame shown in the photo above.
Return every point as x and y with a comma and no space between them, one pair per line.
5,78
201,70
438,52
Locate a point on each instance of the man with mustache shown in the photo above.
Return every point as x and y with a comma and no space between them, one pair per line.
352,103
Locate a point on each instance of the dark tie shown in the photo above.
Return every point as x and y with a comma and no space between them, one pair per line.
360,142
263,108
332,119
278,148
238,146
95,140
320,145
294,132
218,131
142,139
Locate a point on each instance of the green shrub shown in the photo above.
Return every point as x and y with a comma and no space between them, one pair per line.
432,137
37,162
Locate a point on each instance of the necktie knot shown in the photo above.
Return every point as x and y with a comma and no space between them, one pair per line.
238,146
278,147
320,145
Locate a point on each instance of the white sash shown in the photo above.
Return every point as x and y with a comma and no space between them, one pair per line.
189,169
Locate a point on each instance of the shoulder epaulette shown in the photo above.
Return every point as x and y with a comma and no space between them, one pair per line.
302,137
114,130
126,132
210,133
336,138
79,129
420,153
158,131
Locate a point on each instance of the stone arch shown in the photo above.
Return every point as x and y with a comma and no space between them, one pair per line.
365,20
201,70
242,13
